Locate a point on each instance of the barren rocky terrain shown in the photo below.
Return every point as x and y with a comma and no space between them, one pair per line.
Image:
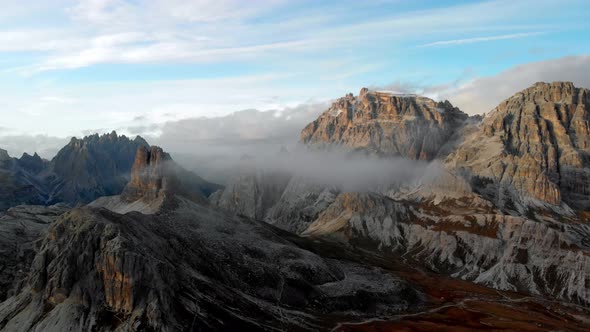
488,231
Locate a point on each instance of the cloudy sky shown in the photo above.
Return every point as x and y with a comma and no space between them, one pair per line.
163,67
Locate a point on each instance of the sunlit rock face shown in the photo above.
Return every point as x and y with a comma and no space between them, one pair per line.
386,123
148,174
534,146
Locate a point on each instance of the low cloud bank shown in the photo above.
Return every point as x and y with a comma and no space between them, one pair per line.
46,146
338,168
481,95
212,147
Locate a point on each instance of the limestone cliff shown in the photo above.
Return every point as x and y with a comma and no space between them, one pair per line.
385,123
149,172
533,146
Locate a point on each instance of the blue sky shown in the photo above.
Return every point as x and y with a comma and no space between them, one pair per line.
72,67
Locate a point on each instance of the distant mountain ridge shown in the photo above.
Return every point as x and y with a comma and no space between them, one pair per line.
83,170
91,167
20,182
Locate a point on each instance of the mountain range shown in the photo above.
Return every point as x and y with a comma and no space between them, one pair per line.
490,231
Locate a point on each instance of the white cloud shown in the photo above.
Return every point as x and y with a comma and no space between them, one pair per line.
482,94
90,106
45,146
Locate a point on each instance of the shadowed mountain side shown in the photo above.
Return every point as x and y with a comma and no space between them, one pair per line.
82,171
20,230
189,268
19,180
92,167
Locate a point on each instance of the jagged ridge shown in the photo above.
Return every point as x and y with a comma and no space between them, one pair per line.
388,124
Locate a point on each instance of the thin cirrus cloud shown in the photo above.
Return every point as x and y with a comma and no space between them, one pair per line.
125,32
481,39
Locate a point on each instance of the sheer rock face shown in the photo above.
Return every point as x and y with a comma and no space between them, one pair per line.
154,174
155,181
536,145
190,269
389,124
148,175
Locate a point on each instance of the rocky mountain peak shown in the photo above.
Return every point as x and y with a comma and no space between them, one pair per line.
148,174
4,155
94,166
33,164
386,123
536,144
154,176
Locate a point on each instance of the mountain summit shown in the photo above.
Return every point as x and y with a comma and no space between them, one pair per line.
92,167
386,123
533,148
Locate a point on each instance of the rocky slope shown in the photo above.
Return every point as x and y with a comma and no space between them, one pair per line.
533,149
540,257
505,210
190,268
385,123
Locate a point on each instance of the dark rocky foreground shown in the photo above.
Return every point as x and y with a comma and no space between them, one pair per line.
189,268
